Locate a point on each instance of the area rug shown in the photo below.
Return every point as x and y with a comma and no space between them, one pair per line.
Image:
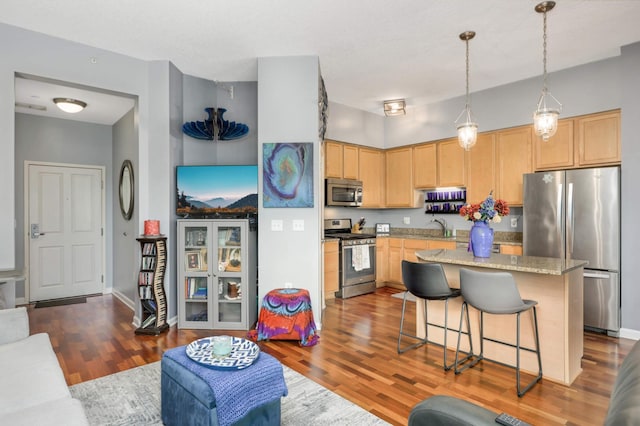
61,302
132,397
410,297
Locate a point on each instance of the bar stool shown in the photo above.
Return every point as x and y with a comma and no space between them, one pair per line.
426,281
496,293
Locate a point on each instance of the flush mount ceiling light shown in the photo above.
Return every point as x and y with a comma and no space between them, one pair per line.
545,118
69,105
467,131
394,107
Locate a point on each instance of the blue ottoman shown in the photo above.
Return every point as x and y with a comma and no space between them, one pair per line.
193,394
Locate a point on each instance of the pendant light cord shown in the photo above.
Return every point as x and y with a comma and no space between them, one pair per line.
544,52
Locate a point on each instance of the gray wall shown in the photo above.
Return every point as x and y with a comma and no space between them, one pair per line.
288,112
125,254
60,141
630,88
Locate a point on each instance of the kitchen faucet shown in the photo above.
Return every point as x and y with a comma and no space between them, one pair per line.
442,223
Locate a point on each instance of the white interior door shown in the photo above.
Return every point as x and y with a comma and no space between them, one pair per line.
65,231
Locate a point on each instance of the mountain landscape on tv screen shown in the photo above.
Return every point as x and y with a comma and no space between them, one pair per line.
192,207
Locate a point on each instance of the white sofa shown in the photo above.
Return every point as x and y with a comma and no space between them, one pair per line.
33,390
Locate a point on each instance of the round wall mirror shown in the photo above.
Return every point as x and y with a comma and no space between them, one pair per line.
126,189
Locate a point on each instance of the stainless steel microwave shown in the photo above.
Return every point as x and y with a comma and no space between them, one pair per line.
343,192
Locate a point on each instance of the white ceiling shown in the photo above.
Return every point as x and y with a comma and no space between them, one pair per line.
369,50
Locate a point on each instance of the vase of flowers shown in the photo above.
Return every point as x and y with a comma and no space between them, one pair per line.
481,214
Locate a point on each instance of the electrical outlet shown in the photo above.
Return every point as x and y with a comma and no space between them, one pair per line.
298,225
514,222
407,220
288,285
277,225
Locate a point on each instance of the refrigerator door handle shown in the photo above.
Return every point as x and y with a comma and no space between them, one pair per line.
570,221
559,215
593,275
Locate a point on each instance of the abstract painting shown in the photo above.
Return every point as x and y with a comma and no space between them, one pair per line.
287,175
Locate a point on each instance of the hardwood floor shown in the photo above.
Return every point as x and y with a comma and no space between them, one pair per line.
356,358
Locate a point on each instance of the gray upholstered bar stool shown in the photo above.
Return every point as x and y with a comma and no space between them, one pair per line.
426,281
496,293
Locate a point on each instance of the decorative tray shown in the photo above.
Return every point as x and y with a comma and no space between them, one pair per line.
243,353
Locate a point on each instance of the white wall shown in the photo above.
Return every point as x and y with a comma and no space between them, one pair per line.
288,112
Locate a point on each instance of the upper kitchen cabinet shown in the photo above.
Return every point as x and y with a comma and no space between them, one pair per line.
513,159
425,173
598,139
584,141
333,159
372,166
556,153
351,162
451,160
481,166
340,160
399,179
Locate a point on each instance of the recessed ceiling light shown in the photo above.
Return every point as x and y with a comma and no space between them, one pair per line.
70,105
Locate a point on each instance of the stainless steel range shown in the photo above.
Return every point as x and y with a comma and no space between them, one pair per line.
357,258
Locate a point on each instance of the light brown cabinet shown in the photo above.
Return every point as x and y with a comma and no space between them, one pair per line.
331,268
405,249
509,249
333,159
350,162
400,191
395,261
598,139
584,141
513,159
425,174
410,246
382,263
481,166
556,153
451,163
372,173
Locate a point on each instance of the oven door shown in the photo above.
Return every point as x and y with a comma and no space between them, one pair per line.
358,264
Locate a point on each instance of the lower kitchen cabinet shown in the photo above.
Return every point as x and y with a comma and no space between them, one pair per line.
217,274
331,268
404,249
382,266
395,262
510,249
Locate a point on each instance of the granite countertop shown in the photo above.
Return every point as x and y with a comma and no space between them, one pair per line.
532,264
503,238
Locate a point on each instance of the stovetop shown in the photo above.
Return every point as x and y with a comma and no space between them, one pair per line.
349,235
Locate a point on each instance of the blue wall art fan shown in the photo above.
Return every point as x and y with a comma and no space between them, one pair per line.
215,127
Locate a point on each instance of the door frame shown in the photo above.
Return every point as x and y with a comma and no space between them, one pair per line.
27,236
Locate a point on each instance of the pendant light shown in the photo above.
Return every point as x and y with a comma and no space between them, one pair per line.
545,118
468,130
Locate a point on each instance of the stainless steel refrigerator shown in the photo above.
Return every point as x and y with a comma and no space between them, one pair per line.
575,214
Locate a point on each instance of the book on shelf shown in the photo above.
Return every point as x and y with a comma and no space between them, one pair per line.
145,292
149,305
149,321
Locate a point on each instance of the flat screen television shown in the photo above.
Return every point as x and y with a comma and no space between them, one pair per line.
217,191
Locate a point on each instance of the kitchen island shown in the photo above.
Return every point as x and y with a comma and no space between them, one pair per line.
557,286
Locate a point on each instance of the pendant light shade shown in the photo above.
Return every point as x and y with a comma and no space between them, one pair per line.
468,129
545,118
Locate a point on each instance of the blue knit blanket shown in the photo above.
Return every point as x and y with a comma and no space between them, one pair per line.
238,391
